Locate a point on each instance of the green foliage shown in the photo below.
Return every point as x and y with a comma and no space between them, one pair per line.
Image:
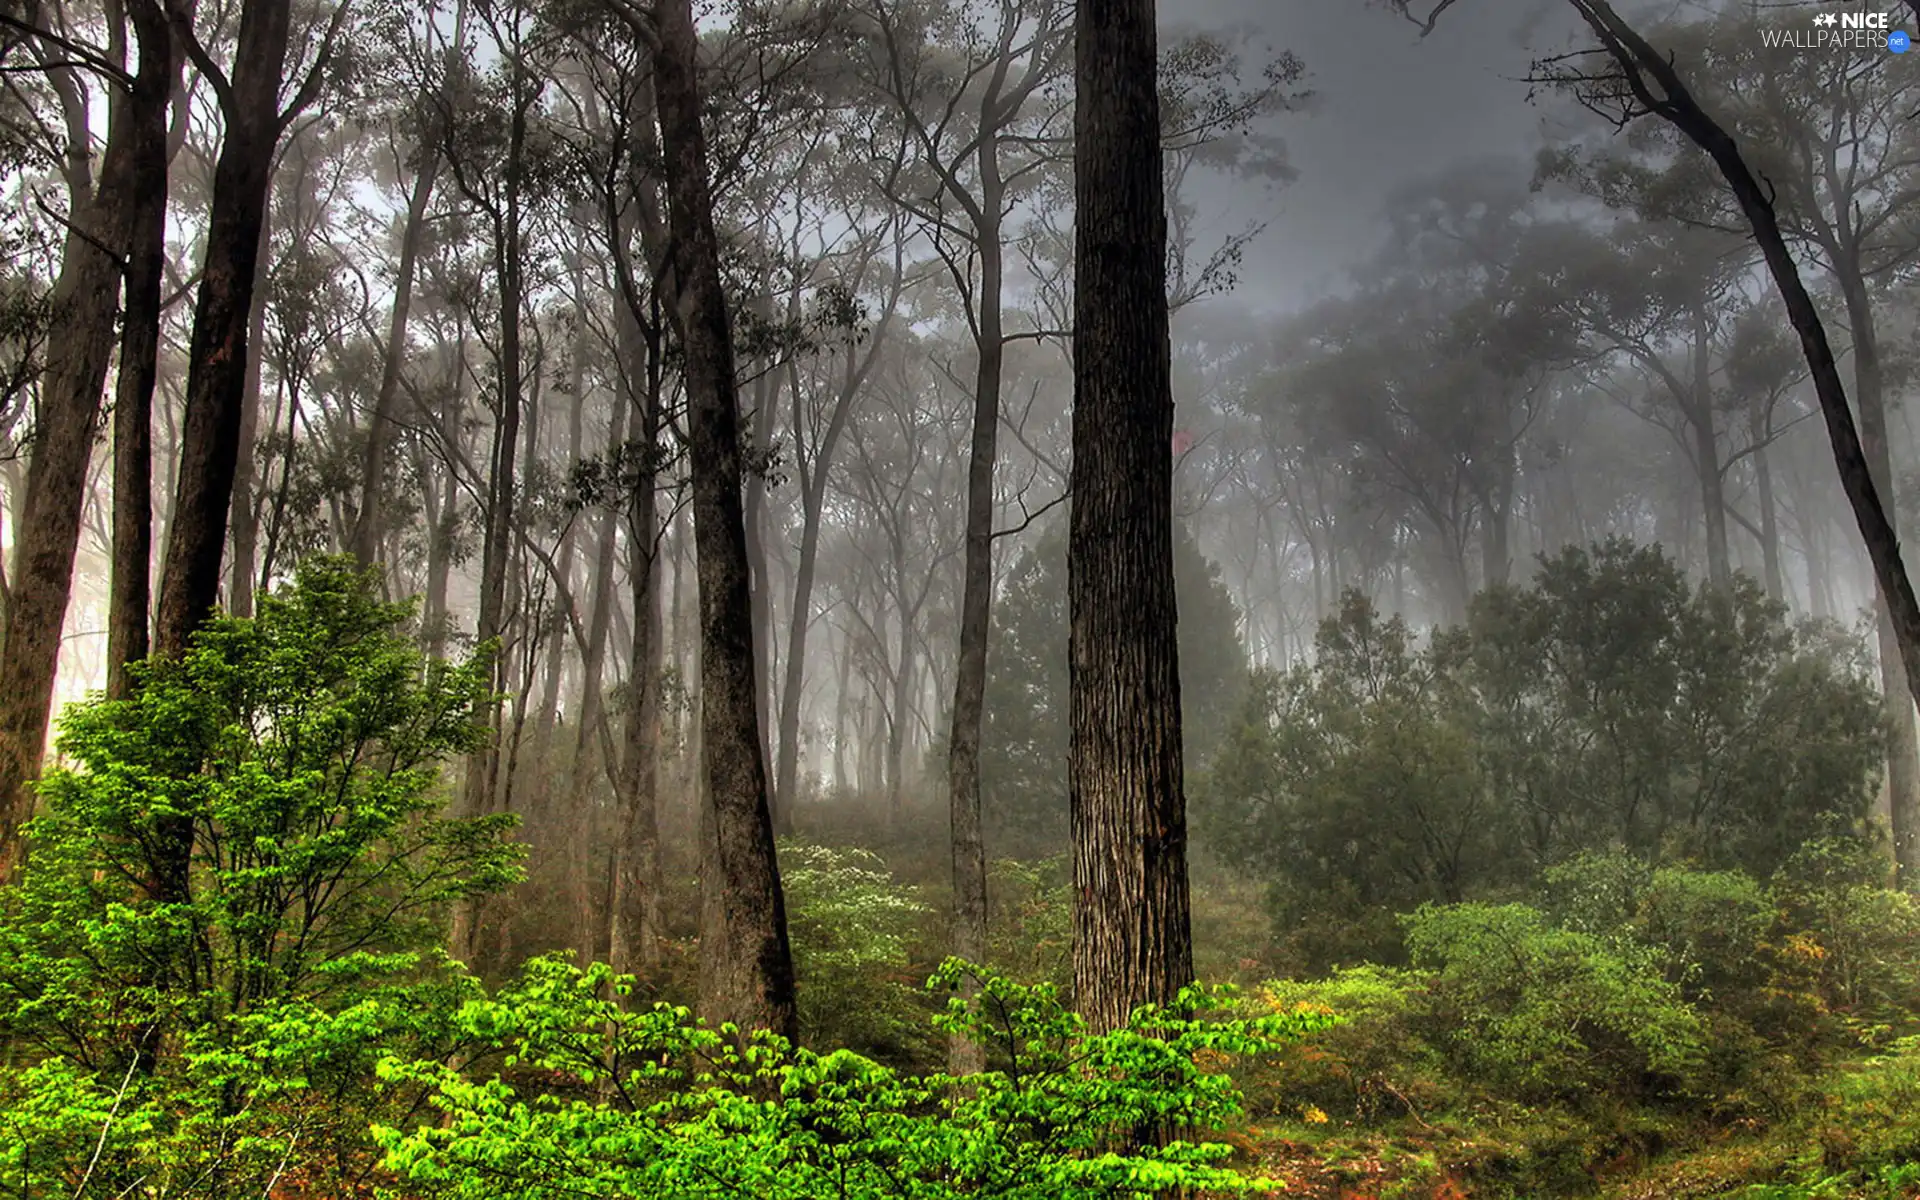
1364,739
1605,705
1704,927
681,1110
1023,752
852,926
168,1011
1030,920
1552,1012
1856,936
1377,1061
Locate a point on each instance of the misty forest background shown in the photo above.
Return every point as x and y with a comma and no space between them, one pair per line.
544,538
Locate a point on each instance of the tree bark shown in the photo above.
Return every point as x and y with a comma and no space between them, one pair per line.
217,362
1706,454
244,517
969,933
1132,941
84,302
369,522
751,982
130,588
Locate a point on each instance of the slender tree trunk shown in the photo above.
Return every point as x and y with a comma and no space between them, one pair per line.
370,521
841,684
1706,454
1872,509
634,908
217,365
1774,576
969,932
901,710
813,492
130,590
483,766
244,519
1903,740
760,576
1132,943
84,302
751,983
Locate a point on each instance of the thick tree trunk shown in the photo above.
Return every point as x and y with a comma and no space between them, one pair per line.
751,982
217,362
130,590
84,303
217,365
1132,943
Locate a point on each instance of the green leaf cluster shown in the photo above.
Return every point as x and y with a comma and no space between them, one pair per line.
593,1099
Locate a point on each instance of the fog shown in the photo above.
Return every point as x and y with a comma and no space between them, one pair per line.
539,536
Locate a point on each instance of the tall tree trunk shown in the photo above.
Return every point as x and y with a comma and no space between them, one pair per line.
751,982
1706,454
244,519
218,352
371,518
1132,942
483,766
969,932
1773,575
760,576
84,303
634,907
130,589
844,663
217,365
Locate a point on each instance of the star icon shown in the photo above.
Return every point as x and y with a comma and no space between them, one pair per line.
1826,19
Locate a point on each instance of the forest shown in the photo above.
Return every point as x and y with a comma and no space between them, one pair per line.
777,599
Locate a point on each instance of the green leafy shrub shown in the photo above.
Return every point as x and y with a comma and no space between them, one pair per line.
679,1110
1376,1062
851,926
1705,927
200,1034
1551,1013
1030,920
1847,936
1607,705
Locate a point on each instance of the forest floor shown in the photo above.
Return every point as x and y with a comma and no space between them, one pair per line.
1858,1138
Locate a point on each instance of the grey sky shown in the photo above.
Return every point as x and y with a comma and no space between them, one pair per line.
1391,108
